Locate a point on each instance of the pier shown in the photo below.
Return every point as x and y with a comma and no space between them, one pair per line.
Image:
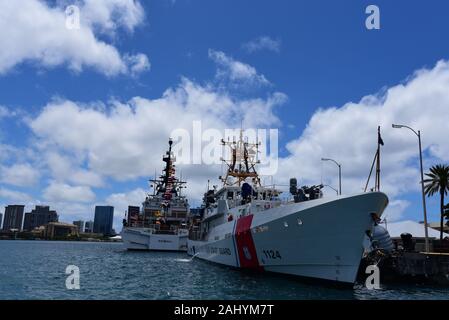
406,265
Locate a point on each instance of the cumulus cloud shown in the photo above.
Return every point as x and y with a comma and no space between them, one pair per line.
396,210
138,63
8,151
23,175
12,195
109,15
236,71
36,33
263,43
64,168
121,201
126,140
349,135
5,112
60,192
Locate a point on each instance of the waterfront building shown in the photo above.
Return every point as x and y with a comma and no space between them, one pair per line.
38,232
104,216
60,230
80,225
1,220
13,217
39,216
89,227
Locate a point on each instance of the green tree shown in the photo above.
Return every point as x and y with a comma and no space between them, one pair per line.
438,182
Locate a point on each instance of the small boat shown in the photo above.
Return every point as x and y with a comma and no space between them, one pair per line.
162,223
248,226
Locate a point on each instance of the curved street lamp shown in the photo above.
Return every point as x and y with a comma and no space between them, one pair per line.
418,134
339,171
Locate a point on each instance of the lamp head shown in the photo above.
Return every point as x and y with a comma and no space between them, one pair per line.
397,126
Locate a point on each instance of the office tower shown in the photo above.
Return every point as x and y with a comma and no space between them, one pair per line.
89,227
13,217
39,216
104,216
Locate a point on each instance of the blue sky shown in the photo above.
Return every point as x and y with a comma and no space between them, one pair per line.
325,57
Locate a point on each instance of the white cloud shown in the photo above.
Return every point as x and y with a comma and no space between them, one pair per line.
236,71
23,175
138,63
109,15
5,112
263,43
396,210
69,211
64,168
35,32
121,201
349,135
126,140
7,152
60,192
14,195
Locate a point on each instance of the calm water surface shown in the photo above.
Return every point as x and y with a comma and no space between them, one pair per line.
36,270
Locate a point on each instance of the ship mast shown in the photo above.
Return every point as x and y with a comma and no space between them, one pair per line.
242,162
168,182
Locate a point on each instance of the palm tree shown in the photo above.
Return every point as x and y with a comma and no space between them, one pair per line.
438,182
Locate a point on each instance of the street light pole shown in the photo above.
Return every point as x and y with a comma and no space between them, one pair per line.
422,191
339,171
418,134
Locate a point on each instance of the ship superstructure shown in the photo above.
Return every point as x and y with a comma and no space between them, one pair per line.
162,222
247,225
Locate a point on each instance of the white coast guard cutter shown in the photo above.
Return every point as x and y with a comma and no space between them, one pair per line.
162,222
246,225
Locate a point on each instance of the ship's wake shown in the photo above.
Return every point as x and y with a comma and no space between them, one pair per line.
187,260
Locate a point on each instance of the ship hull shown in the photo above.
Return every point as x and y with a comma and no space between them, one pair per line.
321,239
142,239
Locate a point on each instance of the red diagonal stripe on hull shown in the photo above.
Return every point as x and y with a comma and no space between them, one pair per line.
245,244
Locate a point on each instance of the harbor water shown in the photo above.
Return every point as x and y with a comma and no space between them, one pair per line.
36,270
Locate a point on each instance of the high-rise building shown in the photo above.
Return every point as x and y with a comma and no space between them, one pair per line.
13,217
133,215
89,227
39,216
1,220
80,225
104,216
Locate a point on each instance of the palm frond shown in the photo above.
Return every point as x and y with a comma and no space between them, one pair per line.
438,180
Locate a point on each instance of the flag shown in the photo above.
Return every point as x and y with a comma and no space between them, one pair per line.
379,139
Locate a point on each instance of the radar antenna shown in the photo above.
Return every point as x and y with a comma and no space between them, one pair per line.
242,164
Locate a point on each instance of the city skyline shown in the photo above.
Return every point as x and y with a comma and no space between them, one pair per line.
41,215
99,109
